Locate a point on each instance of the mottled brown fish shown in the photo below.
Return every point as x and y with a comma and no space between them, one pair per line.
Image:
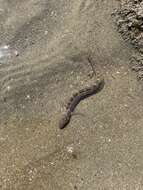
76,98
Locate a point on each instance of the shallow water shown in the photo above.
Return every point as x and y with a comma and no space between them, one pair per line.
101,147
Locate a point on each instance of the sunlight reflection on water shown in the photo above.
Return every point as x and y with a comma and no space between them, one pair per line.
6,53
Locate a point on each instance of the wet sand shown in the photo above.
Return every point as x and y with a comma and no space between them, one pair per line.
101,148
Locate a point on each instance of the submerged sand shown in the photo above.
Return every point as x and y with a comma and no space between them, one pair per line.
102,146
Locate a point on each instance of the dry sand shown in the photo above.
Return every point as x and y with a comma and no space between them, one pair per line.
102,146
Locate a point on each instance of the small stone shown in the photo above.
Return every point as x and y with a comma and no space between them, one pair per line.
70,149
46,32
27,97
8,88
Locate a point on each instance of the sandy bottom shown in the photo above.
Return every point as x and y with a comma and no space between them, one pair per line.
101,148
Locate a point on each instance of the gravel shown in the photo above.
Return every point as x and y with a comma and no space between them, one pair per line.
129,21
